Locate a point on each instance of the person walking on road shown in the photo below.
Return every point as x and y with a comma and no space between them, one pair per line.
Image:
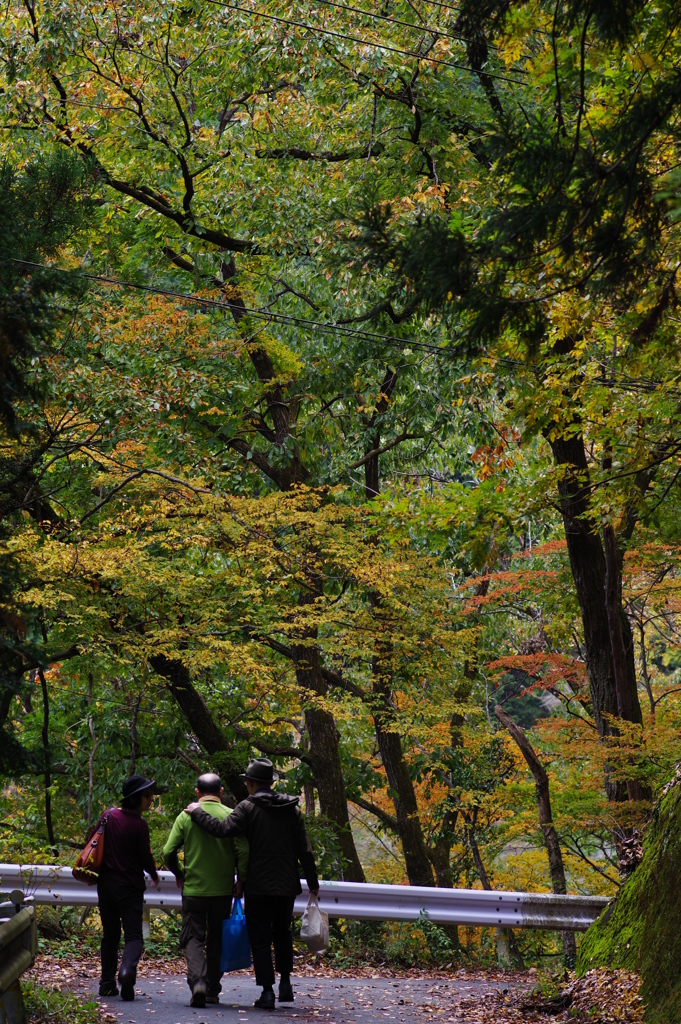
207,884
120,886
277,842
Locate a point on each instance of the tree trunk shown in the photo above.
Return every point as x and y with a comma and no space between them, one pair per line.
91,756
610,667
541,782
134,742
473,847
308,793
194,707
503,934
628,706
440,854
46,748
324,755
440,857
419,870
644,665
401,787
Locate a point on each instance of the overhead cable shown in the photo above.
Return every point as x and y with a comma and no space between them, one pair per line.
318,30
319,325
396,21
624,383
438,3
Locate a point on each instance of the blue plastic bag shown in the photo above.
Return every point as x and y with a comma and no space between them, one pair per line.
236,950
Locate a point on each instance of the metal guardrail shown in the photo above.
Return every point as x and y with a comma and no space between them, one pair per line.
18,948
54,885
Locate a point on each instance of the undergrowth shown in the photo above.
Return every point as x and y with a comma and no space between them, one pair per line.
46,1007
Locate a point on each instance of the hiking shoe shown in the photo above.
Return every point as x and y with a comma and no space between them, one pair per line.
198,995
285,991
108,989
266,1001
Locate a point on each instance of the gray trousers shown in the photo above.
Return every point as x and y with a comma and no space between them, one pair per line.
202,918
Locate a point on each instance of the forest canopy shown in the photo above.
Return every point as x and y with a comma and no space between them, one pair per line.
340,423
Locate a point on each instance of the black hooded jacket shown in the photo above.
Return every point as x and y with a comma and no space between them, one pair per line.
277,841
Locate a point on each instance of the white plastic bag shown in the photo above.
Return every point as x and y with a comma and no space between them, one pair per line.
314,930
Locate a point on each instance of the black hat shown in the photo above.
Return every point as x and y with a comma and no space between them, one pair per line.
260,770
136,784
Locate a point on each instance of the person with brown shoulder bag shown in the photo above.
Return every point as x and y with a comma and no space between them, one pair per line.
118,860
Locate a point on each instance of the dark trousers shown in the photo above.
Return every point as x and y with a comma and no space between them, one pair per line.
268,920
120,904
202,918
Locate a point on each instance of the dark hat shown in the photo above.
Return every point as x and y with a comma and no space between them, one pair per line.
136,784
260,770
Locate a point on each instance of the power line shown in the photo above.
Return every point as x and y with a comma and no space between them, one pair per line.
645,385
326,328
315,29
437,3
396,21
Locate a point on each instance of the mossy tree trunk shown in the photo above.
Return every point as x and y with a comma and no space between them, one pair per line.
641,929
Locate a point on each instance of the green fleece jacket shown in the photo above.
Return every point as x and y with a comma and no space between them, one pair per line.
208,863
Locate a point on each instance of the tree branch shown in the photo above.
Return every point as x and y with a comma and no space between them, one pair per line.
387,819
294,152
271,748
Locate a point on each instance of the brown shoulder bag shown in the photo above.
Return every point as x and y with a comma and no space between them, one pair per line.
90,860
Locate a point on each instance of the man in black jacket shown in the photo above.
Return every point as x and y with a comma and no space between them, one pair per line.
275,830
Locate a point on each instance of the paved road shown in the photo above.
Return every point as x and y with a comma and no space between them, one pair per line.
165,1000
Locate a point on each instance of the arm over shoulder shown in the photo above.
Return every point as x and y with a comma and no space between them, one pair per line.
235,824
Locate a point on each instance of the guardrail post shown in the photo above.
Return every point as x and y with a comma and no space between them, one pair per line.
503,948
12,1009
146,922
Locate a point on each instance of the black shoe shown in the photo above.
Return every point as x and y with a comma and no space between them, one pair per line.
127,983
285,991
266,1000
110,989
212,998
198,995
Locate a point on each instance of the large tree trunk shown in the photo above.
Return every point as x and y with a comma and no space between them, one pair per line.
48,759
440,857
202,723
541,783
608,644
417,862
440,853
401,787
324,756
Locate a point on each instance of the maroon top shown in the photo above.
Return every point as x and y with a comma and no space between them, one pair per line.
127,853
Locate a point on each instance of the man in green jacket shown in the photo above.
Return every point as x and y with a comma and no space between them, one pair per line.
207,884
